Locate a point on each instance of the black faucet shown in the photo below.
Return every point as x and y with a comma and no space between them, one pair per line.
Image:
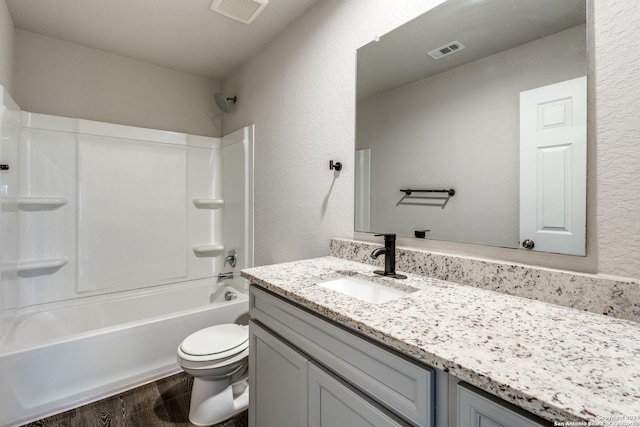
389,251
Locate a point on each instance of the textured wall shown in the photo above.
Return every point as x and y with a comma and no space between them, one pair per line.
617,83
66,79
6,48
299,90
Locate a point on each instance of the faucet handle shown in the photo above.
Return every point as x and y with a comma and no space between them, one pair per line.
231,258
387,236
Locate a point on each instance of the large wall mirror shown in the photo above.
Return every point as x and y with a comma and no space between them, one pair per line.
486,98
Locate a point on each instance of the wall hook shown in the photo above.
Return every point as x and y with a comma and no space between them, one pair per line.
337,165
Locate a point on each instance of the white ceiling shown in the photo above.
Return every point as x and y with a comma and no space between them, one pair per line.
183,35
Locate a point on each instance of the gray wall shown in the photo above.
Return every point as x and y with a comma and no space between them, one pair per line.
460,129
300,91
616,115
6,48
66,79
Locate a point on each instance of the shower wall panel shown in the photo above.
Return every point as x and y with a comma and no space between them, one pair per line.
237,173
108,208
132,222
9,131
46,214
204,182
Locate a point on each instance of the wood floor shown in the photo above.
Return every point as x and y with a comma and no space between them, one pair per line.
161,404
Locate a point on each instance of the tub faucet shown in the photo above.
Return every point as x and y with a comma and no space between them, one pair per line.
389,251
231,258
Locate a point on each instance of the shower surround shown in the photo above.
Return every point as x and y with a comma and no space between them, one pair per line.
111,241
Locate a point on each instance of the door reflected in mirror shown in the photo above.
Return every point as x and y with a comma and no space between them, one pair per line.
500,117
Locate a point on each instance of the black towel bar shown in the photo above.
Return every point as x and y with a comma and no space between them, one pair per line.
450,191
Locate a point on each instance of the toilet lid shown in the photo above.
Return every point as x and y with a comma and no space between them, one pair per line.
215,339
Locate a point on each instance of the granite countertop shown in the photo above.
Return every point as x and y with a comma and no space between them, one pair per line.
559,363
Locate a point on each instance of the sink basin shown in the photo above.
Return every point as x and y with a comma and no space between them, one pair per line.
364,290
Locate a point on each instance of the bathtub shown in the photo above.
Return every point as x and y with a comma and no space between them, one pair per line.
61,355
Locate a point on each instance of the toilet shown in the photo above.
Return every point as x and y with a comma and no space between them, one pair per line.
217,358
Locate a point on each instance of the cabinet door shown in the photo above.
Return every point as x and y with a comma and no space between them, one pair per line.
476,410
278,381
332,403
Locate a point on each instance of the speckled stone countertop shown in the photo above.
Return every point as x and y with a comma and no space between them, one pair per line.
559,363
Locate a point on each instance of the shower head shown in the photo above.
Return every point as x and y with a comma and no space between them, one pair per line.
223,103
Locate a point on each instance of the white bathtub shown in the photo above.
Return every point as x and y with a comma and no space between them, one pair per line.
61,355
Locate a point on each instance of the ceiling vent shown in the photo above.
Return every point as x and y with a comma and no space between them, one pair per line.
446,50
244,11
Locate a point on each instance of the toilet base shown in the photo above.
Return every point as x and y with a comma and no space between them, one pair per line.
212,402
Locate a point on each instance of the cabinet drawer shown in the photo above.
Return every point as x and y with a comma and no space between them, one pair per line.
402,386
477,409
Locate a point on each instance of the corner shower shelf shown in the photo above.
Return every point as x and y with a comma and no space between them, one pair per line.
45,264
208,250
41,203
208,203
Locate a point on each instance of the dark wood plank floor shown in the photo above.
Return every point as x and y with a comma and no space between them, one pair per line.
163,403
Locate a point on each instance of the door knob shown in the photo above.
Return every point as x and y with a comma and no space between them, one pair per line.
528,244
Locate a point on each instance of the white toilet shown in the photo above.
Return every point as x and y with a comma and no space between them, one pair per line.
217,358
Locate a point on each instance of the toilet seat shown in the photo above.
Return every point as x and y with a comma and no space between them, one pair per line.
214,343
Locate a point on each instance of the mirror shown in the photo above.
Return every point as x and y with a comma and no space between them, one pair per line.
499,117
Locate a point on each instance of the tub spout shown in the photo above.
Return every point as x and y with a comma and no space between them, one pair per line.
227,275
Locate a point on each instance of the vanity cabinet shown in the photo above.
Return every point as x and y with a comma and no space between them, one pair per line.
316,371
307,371
293,391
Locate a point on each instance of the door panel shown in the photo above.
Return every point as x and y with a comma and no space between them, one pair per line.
279,376
332,403
553,165
475,410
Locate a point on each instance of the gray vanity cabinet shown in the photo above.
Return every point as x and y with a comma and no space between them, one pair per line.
307,371
347,376
293,391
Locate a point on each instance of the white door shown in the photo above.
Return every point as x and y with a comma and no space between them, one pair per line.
553,166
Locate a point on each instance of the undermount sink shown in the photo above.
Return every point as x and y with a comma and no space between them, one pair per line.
364,290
